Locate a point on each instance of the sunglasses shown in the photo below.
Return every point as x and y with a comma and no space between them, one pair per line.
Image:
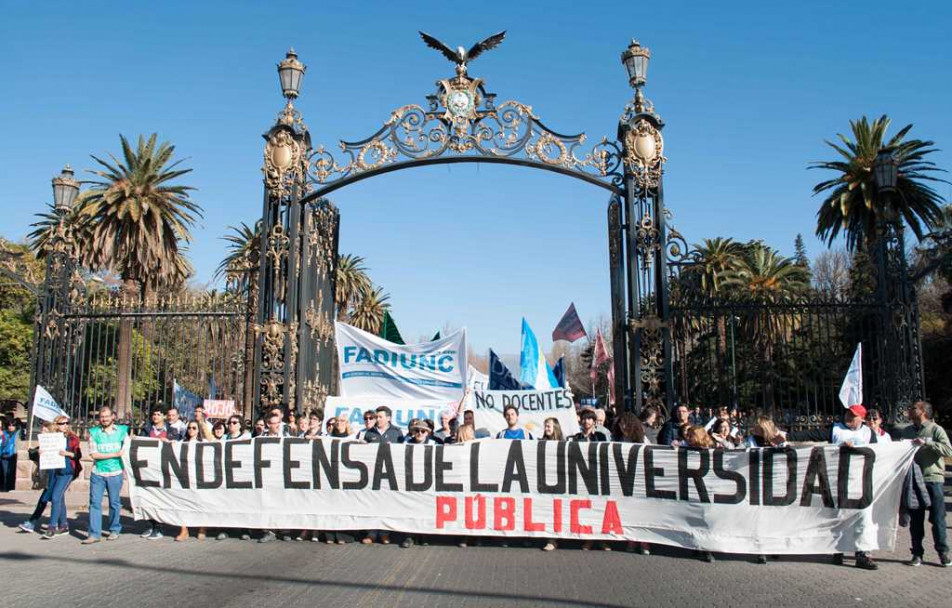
193,428
233,422
421,430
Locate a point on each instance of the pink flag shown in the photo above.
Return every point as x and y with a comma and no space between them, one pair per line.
600,355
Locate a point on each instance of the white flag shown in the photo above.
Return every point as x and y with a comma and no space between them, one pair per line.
45,407
851,393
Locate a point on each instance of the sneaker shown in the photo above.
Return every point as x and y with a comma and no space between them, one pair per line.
156,534
462,544
549,546
27,526
112,536
268,537
586,545
708,557
90,540
287,538
51,533
407,543
384,539
645,549
945,560
245,536
364,541
221,536
761,559
865,562
62,531
147,533
915,562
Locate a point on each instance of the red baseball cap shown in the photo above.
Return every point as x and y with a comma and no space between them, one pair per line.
858,410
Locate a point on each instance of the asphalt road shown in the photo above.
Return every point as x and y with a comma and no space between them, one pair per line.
134,572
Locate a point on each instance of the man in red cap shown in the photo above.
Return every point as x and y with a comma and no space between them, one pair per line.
853,433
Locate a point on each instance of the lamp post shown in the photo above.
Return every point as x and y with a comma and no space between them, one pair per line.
900,337
290,74
54,294
65,190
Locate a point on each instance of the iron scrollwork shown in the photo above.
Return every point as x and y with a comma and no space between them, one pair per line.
462,119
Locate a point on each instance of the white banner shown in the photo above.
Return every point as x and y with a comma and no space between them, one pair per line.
534,407
815,500
429,371
50,446
218,408
45,407
403,411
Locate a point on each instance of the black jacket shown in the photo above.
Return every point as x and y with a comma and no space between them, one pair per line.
668,432
391,435
595,436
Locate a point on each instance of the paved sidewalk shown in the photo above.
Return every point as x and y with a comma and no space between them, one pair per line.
210,573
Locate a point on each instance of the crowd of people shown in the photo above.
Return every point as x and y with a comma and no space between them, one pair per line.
922,497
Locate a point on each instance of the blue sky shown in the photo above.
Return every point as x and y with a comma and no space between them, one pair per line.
749,91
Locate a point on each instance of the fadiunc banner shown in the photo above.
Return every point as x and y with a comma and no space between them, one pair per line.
811,500
533,406
429,371
402,411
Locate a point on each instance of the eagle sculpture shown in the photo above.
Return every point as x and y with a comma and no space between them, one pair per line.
460,56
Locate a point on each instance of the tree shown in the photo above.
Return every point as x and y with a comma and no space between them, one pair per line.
715,258
800,253
851,204
138,220
766,277
831,274
368,311
21,272
352,281
240,265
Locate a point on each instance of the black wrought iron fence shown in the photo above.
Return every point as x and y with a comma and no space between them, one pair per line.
788,358
131,355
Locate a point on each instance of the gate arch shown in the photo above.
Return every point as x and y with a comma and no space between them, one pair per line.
461,122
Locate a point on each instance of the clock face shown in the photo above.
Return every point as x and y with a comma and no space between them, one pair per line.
459,103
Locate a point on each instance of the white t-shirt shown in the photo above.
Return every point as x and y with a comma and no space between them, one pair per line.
860,437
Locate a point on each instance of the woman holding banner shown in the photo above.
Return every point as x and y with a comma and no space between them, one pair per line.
192,433
60,479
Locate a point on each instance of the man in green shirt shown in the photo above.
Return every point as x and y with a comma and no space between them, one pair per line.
931,456
106,445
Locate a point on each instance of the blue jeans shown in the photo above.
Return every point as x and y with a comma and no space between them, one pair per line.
917,525
59,482
98,485
43,500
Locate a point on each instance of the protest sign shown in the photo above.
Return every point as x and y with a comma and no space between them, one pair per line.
402,411
811,500
218,408
429,371
534,407
50,446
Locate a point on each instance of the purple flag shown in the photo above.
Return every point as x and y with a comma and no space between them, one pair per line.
570,327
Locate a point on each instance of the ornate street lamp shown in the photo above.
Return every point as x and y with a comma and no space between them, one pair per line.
65,190
635,58
291,73
885,171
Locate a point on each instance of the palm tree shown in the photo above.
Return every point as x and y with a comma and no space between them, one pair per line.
715,257
765,276
70,226
851,204
241,263
352,282
369,310
138,219
241,267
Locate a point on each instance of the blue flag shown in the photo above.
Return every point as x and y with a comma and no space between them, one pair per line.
559,372
500,378
535,372
185,400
